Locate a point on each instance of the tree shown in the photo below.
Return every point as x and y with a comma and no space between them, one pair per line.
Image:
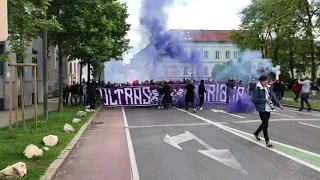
307,15
24,25
92,31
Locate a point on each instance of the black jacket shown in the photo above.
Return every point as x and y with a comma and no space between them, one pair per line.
202,89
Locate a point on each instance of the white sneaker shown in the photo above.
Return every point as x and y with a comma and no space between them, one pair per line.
194,111
159,107
201,109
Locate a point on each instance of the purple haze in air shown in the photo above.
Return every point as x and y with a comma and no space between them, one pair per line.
153,19
243,104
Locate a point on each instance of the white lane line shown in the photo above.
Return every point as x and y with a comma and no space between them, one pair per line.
310,114
174,125
276,120
240,134
276,114
309,125
133,162
282,115
224,112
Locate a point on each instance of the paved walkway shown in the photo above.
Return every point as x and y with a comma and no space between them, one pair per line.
102,152
29,112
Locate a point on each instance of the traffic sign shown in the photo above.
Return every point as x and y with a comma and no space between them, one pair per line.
3,20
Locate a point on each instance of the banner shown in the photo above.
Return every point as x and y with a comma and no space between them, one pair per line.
149,95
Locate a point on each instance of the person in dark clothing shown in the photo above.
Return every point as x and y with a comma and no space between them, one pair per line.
202,90
166,95
263,99
91,90
66,94
160,90
188,93
278,88
74,93
80,93
252,85
230,89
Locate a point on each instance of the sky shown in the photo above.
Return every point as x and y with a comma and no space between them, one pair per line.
188,14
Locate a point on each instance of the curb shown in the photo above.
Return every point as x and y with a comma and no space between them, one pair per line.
57,164
286,105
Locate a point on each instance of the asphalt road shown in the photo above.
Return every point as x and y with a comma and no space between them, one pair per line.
210,150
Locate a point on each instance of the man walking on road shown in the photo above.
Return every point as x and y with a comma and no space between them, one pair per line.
305,93
188,93
263,99
202,90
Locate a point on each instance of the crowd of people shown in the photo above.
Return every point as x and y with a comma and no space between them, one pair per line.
85,94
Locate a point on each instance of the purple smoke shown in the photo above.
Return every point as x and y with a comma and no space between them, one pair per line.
243,104
166,43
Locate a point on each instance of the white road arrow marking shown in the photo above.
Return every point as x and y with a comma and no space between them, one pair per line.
223,156
175,140
224,112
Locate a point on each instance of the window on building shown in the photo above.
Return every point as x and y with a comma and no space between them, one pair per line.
70,67
1,63
227,54
205,70
34,59
165,70
235,54
217,54
185,71
206,54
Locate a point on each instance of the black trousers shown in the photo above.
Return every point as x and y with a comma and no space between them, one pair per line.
166,101
187,103
264,116
201,99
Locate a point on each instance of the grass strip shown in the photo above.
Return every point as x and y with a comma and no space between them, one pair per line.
14,141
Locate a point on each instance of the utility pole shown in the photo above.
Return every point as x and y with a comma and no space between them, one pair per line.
45,71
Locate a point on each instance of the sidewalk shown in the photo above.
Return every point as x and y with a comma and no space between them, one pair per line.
28,112
102,152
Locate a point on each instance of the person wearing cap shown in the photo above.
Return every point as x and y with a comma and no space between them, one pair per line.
263,99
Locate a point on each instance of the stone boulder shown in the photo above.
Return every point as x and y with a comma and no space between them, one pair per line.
81,113
76,120
50,140
14,171
68,128
31,151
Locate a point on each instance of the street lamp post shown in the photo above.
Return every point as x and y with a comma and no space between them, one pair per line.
202,53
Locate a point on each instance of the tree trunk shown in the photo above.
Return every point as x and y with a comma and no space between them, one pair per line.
45,74
313,62
81,72
291,62
60,104
88,75
22,98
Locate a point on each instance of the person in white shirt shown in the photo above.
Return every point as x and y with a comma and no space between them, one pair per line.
305,93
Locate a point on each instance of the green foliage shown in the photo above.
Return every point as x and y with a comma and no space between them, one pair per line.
25,23
283,30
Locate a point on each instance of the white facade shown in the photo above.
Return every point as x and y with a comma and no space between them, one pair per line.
211,53
214,47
